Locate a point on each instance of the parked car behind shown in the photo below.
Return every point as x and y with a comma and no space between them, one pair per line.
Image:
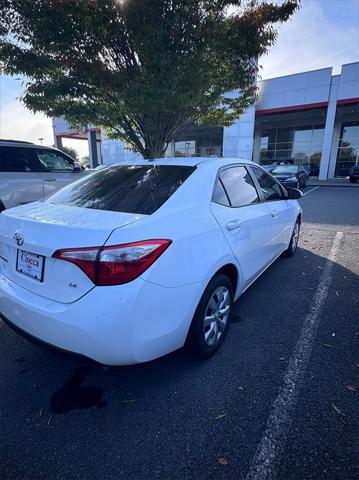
136,260
30,172
354,174
269,168
294,176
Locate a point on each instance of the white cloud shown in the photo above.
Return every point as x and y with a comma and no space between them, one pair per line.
19,123
310,40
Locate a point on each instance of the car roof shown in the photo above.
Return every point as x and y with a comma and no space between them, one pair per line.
9,140
15,143
22,143
186,161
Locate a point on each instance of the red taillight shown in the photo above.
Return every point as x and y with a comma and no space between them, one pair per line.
116,264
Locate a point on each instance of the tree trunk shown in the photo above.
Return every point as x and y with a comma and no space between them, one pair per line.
155,151
150,134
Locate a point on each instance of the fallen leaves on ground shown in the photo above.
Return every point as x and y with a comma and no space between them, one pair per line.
337,409
220,417
352,388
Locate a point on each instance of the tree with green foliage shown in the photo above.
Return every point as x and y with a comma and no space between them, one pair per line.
71,152
140,69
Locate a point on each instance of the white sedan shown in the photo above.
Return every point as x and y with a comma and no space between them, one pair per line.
136,260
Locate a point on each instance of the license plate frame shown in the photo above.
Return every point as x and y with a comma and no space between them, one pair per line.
21,267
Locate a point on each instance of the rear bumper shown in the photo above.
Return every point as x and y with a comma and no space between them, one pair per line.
118,325
38,342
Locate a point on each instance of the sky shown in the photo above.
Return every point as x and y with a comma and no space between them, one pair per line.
323,33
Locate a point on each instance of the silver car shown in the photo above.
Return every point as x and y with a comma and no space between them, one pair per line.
30,172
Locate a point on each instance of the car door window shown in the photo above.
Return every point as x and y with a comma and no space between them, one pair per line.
270,188
19,160
55,161
238,186
219,194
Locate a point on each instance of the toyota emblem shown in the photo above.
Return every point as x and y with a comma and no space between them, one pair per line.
19,239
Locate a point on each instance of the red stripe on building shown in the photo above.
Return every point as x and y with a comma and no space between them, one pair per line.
291,108
348,101
71,133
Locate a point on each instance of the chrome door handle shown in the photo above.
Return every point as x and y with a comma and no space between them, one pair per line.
50,179
274,213
234,224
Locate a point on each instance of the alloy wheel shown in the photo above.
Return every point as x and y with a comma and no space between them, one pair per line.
216,316
295,236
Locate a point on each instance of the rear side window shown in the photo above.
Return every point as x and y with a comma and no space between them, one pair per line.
219,194
270,188
239,186
19,159
130,188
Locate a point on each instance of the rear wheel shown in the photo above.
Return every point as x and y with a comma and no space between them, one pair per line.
294,240
2,206
211,319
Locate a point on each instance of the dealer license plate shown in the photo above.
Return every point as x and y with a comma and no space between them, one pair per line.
30,264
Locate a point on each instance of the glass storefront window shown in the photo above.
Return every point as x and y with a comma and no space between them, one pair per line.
199,142
185,148
302,144
348,150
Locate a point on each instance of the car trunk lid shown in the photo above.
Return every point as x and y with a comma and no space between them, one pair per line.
32,233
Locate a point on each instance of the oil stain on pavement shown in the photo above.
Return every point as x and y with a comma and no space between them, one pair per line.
74,396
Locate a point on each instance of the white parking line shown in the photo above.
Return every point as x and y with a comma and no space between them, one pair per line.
310,191
274,438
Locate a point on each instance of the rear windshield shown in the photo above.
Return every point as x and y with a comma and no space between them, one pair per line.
130,188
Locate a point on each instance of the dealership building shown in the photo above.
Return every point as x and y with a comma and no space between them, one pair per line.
311,118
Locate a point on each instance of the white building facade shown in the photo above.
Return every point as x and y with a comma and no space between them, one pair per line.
310,118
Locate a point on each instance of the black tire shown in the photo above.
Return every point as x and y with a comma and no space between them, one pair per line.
196,341
293,244
2,207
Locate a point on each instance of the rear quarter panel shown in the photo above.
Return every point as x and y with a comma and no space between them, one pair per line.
197,251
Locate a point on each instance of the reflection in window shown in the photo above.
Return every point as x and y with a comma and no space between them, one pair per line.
186,148
302,144
348,150
239,186
197,141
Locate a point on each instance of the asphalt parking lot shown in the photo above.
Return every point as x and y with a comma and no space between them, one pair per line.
279,400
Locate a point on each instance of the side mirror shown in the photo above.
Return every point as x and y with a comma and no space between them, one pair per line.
294,193
77,167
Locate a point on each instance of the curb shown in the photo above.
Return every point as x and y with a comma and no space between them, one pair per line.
351,185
